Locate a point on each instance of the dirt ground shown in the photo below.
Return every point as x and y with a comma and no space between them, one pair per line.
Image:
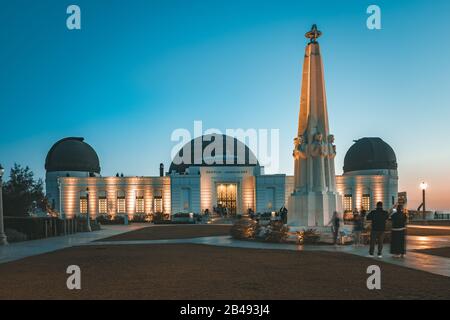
441,252
188,271
172,232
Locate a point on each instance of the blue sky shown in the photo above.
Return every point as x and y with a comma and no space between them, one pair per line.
140,69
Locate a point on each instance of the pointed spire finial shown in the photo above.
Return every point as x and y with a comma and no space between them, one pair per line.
313,34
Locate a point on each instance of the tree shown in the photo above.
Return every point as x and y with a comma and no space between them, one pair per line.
21,193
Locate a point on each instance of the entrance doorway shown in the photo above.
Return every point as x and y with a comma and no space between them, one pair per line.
226,198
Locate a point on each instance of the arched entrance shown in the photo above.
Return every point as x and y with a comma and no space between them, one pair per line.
226,198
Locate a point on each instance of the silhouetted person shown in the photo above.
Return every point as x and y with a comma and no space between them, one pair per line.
363,214
398,232
251,213
357,229
378,218
283,214
355,212
335,223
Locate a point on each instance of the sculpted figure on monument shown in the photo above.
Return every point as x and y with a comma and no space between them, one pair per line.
331,146
318,149
300,147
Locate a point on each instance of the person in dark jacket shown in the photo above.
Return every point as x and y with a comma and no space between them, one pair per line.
283,214
357,229
335,223
398,233
378,218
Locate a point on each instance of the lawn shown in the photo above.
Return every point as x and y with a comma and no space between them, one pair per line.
189,271
157,232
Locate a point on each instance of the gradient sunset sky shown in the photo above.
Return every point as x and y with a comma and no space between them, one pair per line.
139,69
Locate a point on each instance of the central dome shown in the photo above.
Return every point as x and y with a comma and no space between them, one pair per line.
369,154
72,154
211,155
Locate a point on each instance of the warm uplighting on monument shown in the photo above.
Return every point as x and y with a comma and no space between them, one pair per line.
314,196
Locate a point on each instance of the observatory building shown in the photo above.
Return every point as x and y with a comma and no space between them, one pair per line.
232,179
73,172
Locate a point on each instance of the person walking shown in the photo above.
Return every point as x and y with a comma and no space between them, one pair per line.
355,212
357,229
378,217
335,225
398,233
283,214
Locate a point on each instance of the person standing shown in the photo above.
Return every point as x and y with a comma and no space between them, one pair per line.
398,233
283,214
378,218
355,212
357,229
335,225
363,213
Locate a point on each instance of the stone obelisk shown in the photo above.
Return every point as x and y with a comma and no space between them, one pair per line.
314,198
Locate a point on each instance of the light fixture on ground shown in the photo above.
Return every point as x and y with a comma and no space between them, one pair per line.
3,240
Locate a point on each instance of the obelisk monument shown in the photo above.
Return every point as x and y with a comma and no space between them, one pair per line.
314,198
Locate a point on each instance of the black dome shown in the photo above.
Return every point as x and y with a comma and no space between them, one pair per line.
370,153
72,154
247,158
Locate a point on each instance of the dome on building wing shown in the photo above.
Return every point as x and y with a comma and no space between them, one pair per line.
368,154
72,154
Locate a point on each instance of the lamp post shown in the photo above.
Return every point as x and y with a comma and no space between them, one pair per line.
424,187
3,240
88,220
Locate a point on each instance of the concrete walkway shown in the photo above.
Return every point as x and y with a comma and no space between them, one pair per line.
412,226
413,260
19,250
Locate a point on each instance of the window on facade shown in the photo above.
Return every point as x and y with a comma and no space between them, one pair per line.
365,202
102,203
270,198
158,204
83,204
121,203
186,198
348,203
140,205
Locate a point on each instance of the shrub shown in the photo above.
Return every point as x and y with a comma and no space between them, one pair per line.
158,217
244,229
276,231
308,236
109,219
182,215
142,217
15,236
